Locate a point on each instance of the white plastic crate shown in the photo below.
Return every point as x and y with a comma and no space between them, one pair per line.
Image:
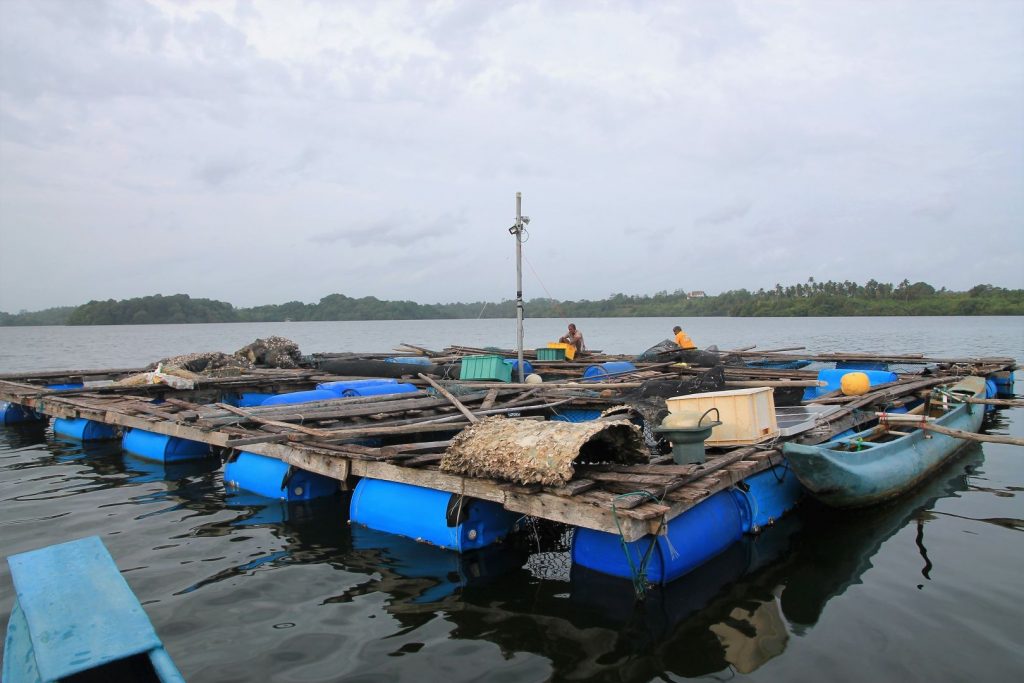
747,415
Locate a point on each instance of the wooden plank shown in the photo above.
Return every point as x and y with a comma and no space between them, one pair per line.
249,440
572,488
451,397
625,478
422,460
492,396
274,423
418,428
417,446
308,459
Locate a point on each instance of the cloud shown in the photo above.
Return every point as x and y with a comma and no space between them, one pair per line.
724,214
643,136
392,232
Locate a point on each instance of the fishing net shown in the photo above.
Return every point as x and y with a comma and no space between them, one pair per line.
648,401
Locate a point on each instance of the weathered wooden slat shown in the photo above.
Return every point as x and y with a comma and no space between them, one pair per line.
273,423
492,396
451,398
626,478
573,487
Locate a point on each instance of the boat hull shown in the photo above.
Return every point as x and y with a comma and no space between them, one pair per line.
845,478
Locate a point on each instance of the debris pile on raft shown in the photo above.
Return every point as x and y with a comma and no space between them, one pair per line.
167,375
204,363
272,352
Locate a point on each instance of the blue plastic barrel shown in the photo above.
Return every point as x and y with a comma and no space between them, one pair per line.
300,397
991,391
65,387
245,400
273,478
342,385
1004,385
440,518
514,362
604,370
82,429
14,413
767,496
834,378
693,538
161,447
380,390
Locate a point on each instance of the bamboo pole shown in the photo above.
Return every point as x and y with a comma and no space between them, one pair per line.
451,398
1004,402
928,424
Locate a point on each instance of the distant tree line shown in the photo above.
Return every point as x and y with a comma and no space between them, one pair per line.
812,298
49,316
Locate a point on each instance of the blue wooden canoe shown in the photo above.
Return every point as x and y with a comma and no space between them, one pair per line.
887,460
74,615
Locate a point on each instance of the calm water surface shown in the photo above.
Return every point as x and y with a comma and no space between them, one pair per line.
926,589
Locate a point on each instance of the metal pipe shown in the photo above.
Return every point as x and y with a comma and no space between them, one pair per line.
519,284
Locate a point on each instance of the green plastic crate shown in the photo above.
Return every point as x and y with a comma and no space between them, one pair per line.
550,354
490,368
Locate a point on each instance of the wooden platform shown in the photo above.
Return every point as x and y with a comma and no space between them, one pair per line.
313,437
321,436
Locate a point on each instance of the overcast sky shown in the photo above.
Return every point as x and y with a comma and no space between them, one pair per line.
261,152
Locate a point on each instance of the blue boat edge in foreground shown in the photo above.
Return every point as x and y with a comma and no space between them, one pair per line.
74,613
843,478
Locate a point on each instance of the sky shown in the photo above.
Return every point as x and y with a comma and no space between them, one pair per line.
263,152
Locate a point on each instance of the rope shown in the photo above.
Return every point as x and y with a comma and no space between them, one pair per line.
561,311
639,573
785,469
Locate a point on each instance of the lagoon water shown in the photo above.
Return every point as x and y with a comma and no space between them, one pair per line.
929,588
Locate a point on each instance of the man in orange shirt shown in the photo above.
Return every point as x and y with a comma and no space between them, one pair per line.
682,339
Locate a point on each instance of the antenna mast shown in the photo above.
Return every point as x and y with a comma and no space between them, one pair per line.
517,230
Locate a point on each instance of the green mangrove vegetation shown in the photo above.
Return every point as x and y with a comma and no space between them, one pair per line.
805,299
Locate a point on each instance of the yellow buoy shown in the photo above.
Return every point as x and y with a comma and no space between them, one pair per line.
854,384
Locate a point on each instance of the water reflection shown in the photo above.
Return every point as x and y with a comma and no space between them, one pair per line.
176,474
738,611
415,573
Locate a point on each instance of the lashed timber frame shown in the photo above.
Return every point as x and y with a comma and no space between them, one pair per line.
318,436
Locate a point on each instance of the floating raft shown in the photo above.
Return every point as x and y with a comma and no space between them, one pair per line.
402,437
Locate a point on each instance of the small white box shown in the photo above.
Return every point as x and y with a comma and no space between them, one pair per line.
747,415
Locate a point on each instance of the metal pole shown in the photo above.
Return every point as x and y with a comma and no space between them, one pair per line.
519,283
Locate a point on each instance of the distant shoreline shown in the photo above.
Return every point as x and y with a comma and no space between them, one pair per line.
810,300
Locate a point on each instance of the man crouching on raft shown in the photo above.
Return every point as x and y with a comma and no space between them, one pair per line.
694,356
574,337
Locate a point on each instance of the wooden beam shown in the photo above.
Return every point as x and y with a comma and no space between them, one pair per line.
451,397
